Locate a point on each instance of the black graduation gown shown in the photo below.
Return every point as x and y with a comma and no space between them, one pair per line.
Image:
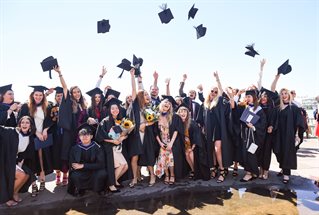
46,152
12,121
236,133
289,120
101,134
250,161
201,167
91,113
69,121
178,149
148,150
9,140
93,174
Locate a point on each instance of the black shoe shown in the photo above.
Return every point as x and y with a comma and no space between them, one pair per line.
280,174
114,191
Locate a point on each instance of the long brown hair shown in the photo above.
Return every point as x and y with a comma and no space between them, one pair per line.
140,98
33,106
32,125
188,118
74,102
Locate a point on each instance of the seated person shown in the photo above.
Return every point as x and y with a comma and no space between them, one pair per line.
87,164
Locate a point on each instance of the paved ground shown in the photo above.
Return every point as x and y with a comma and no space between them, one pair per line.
302,179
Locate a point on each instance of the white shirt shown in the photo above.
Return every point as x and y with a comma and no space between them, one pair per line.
23,142
38,119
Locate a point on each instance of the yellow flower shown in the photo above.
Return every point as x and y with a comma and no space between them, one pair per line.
127,123
150,118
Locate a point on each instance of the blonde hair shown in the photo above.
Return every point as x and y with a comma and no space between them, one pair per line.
210,104
188,118
170,113
282,105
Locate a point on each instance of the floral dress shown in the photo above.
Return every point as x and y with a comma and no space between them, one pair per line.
165,158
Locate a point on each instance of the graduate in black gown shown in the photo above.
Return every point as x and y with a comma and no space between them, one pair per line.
87,166
8,108
289,123
169,135
252,134
115,163
195,149
72,114
97,111
17,157
59,165
142,146
37,109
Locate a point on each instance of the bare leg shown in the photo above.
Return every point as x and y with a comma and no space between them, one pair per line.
218,152
172,176
134,169
190,160
42,175
20,179
152,175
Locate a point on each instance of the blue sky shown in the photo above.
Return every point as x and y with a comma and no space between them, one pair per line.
281,29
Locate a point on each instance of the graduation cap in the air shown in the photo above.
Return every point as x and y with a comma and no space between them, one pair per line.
251,51
94,91
200,31
137,63
39,88
170,99
58,90
270,94
125,65
166,15
285,68
103,26
5,88
48,64
192,12
85,128
115,93
112,101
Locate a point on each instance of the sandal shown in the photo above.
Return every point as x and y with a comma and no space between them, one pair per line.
222,173
166,180
285,180
191,175
17,198
65,180
58,180
172,180
235,172
42,186
152,182
265,175
34,191
213,172
132,184
11,203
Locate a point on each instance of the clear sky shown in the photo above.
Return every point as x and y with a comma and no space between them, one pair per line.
32,30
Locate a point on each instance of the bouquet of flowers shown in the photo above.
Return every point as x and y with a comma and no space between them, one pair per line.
127,126
151,114
122,128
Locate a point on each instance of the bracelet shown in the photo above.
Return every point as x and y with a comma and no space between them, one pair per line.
101,76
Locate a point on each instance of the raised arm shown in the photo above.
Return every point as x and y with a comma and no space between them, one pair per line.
63,84
259,82
181,86
155,76
167,82
98,83
140,83
274,83
133,84
200,93
220,88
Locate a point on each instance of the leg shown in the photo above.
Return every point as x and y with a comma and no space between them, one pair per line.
172,176
235,169
166,180
20,179
58,177
134,170
218,152
286,173
152,175
42,174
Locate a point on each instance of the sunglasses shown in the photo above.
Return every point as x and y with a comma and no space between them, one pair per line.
214,91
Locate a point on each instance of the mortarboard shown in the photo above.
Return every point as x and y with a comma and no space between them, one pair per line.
200,31
270,94
95,91
103,26
166,15
137,63
58,90
85,128
112,101
125,65
285,68
115,93
250,92
192,12
38,88
251,51
182,105
5,88
48,64
170,99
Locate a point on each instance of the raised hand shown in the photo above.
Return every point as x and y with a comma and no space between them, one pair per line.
200,87
57,69
132,72
155,75
167,81
184,77
103,71
262,64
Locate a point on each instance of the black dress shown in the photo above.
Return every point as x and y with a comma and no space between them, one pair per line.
9,141
46,152
93,175
289,120
4,120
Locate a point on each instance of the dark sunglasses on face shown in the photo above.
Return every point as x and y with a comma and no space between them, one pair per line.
214,91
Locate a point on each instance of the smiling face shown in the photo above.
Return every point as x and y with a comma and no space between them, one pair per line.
249,99
38,97
58,97
154,91
213,93
85,138
192,94
264,99
25,125
165,106
129,99
97,98
285,96
8,97
76,93
183,113
147,98
114,110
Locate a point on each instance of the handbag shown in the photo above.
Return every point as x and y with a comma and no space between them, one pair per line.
252,148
